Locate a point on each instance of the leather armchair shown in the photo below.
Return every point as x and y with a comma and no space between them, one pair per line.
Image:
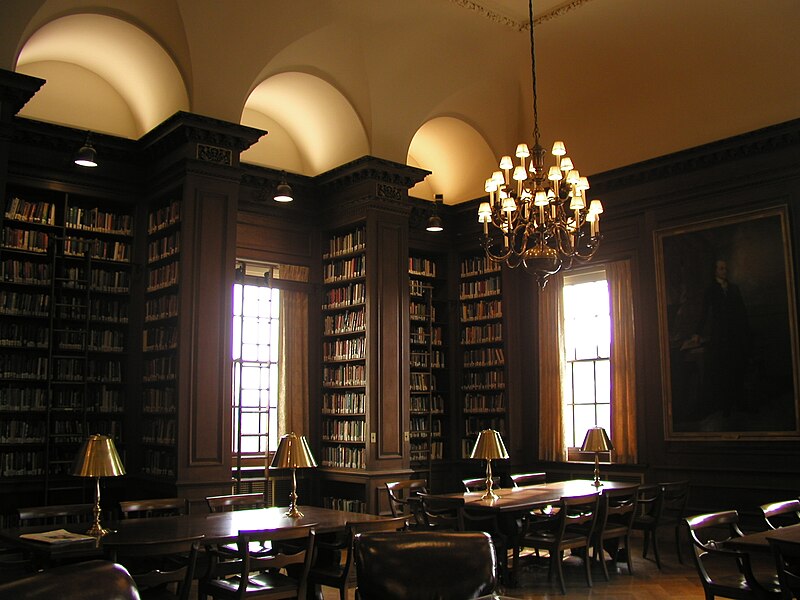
418,565
91,580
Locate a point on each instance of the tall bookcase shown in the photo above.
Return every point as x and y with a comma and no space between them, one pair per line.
344,360
159,413
65,283
483,385
428,384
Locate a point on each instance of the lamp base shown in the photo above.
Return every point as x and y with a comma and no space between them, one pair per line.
293,512
98,531
489,495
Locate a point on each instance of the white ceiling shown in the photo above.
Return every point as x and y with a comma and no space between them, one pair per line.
444,84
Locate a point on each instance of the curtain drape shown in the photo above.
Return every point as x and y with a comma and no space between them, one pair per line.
623,362
551,370
293,393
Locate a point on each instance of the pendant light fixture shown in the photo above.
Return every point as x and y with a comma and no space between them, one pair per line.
87,155
536,216
435,221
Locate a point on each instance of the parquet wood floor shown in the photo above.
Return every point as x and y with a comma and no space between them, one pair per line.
674,581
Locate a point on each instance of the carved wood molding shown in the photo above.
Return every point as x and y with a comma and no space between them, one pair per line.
496,17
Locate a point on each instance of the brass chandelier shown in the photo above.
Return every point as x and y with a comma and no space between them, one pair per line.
540,216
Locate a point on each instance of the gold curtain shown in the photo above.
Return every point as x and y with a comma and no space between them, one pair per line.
551,370
293,393
623,362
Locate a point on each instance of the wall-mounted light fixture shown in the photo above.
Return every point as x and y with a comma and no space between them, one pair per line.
435,221
87,155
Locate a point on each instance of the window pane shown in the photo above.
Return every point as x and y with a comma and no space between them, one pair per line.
583,382
255,367
603,375
584,419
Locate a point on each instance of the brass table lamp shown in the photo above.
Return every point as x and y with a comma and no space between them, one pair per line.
293,453
98,458
597,441
488,446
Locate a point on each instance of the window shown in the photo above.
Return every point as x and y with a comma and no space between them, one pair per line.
256,313
587,345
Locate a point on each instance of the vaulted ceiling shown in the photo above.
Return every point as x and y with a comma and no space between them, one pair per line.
440,84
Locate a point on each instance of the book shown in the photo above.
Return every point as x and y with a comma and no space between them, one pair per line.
57,536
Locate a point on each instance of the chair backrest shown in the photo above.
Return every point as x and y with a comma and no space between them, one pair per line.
281,556
649,500
578,514
235,502
92,580
154,507
523,479
355,528
442,513
157,563
396,566
478,484
787,564
780,514
675,495
400,491
617,509
59,514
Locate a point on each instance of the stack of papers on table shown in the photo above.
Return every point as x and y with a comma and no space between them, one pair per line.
57,536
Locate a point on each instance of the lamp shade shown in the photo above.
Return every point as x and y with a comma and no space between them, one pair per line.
596,440
434,223
283,193
293,453
489,445
98,458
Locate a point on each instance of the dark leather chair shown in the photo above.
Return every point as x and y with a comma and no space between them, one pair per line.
736,579
648,516
424,564
780,514
162,570
154,507
571,528
91,580
613,530
787,563
328,568
235,502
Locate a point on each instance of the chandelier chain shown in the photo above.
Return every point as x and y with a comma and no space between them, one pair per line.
533,77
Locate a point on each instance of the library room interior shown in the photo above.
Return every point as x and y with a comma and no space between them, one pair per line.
418,299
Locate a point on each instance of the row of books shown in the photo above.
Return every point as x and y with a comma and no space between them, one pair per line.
482,334
161,307
159,401
478,265
353,241
479,288
419,266
164,217
164,247
344,375
484,357
353,348
20,209
350,268
342,297
344,403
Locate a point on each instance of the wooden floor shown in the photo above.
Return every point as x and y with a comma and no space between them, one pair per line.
673,582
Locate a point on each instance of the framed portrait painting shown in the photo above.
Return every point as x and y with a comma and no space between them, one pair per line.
728,328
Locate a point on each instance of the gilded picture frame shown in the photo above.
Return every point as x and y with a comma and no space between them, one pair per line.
728,328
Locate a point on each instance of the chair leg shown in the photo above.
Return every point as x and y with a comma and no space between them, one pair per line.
601,556
628,558
678,543
645,543
655,550
558,556
588,567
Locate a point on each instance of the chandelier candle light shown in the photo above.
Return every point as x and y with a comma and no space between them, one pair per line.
540,217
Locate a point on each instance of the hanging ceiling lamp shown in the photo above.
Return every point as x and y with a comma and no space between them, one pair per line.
435,221
540,217
283,191
87,155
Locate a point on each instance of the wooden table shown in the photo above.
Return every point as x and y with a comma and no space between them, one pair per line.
759,541
523,499
217,528
513,503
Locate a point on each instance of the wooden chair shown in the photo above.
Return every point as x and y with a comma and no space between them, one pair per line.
780,514
401,494
328,568
235,502
447,565
572,528
280,573
708,534
673,510
478,484
57,514
92,580
157,567
648,515
613,530
523,479
154,507
787,563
